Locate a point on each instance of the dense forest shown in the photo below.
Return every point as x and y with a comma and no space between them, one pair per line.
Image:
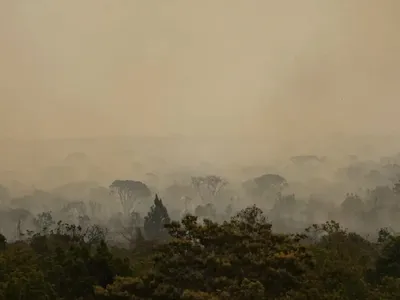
201,240
241,258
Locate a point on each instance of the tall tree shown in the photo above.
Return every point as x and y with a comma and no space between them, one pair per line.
155,221
258,186
208,186
129,193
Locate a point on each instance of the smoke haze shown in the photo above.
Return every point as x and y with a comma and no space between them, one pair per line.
159,91
286,70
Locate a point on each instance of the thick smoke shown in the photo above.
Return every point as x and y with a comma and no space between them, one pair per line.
168,92
293,76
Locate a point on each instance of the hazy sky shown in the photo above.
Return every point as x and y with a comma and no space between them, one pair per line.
116,67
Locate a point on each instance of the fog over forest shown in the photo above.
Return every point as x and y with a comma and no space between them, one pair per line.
199,150
161,91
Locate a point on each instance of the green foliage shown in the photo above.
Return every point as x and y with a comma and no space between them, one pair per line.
343,260
242,258
21,276
60,264
239,258
388,263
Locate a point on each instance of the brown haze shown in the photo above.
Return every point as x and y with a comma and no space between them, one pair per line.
292,73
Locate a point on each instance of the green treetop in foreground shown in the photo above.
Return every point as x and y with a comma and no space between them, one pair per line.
242,258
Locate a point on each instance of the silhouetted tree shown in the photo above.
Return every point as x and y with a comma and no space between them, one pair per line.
129,192
132,228
155,221
44,221
352,204
208,186
258,186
